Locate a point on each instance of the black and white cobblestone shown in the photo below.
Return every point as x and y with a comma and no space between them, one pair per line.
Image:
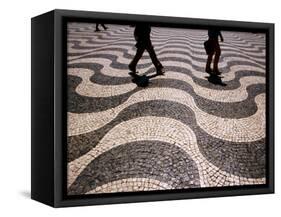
181,131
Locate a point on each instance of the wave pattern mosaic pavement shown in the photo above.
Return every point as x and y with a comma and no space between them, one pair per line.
180,132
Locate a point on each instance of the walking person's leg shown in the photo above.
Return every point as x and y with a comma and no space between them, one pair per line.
132,66
217,58
97,27
103,26
154,59
208,64
210,49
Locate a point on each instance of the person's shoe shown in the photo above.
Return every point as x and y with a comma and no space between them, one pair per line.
160,70
105,28
97,30
132,68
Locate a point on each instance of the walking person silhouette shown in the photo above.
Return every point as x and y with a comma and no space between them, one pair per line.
103,26
212,47
143,42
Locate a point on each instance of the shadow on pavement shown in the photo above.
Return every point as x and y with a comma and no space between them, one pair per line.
142,80
216,80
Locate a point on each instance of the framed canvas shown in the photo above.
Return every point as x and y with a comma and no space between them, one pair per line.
131,108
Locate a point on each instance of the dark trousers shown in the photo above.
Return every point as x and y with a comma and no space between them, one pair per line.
141,47
216,52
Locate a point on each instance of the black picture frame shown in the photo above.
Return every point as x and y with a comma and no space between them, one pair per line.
48,163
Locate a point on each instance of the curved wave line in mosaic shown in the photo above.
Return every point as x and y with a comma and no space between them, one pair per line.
142,159
214,152
240,39
97,40
241,43
102,79
241,130
245,38
131,185
153,128
238,36
111,30
235,36
122,31
236,110
241,109
92,27
115,35
245,46
74,47
130,51
190,44
123,73
112,33
119,57
196,60
250,47
159,41
103,34
240,159
253,51
90,89
88,43
129,47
